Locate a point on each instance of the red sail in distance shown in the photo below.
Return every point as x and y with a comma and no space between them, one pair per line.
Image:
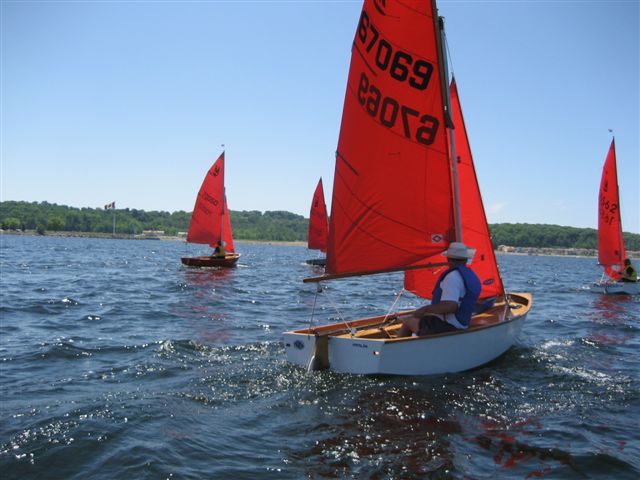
473,219
206,220
318,222
392,197
611,252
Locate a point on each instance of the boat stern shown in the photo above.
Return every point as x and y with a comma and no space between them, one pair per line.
302,348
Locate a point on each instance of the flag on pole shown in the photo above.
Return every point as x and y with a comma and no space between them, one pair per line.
110,206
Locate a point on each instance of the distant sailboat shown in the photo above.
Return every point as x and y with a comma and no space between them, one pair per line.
611,250
210,221
318,225
395,203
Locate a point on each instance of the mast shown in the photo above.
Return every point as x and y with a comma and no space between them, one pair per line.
621,236
224,203
444,81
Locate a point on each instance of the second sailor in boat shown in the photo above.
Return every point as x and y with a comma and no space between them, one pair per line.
219,251
629,273
454,298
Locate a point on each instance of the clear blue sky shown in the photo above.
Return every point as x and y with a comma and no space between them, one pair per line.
131,101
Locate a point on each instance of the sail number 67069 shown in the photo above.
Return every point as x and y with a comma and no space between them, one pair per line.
400,65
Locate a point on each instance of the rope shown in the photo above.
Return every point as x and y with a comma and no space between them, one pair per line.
319,290
315,299
392,308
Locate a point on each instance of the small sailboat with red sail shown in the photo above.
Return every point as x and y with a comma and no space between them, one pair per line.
318,233
402,194
611,249
210,222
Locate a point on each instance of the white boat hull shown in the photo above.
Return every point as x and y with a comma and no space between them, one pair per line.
347,352
616,288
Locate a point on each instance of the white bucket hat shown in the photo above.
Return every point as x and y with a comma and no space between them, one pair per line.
460,251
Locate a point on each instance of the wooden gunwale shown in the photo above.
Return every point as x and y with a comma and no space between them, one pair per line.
343,329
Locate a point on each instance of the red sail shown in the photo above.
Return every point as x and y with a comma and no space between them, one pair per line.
392,197
318,222
474,221
206,220
227,234
611,253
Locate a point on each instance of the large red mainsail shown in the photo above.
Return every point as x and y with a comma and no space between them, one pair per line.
207,219
392,197
611,252
473,220
318,222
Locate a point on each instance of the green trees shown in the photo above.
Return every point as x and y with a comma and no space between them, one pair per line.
255,225
540,235
43,216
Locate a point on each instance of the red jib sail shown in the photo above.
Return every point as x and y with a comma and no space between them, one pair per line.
207,219
227,234
318,222
392,197
611,252
473,220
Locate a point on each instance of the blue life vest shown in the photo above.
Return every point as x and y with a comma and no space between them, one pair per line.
472,287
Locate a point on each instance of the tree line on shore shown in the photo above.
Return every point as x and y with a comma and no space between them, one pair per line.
254,225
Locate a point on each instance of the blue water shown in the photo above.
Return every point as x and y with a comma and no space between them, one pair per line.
117,362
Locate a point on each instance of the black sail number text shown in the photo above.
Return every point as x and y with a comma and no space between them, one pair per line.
608,210
400,65
389,112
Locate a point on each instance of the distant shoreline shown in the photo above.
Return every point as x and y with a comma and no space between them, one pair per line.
121,236
509,250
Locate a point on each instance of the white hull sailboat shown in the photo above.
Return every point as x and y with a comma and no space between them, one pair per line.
402,194
616,288
611,248
368,346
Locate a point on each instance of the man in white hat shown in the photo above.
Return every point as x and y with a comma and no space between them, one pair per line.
454,297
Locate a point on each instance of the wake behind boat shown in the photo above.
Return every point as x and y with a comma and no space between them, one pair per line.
210,222
401,196
611,249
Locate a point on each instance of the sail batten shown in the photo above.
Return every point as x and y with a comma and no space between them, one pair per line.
392,195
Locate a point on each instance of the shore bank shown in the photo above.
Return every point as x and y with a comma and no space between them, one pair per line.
121,236
540,251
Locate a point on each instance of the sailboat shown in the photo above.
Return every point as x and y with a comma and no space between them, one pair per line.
611,251
318,226
401,195
210,221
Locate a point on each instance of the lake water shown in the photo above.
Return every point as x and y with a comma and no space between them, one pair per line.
117,362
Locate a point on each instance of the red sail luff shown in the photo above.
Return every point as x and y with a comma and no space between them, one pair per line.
474,221
318,221
392,199
206,225
611,251
227,234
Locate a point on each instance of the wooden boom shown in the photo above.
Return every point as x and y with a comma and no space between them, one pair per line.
334,276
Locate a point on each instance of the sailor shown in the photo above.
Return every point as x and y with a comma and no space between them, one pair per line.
219,250
629,273
453,300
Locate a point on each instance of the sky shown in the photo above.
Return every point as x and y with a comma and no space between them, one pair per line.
132,101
